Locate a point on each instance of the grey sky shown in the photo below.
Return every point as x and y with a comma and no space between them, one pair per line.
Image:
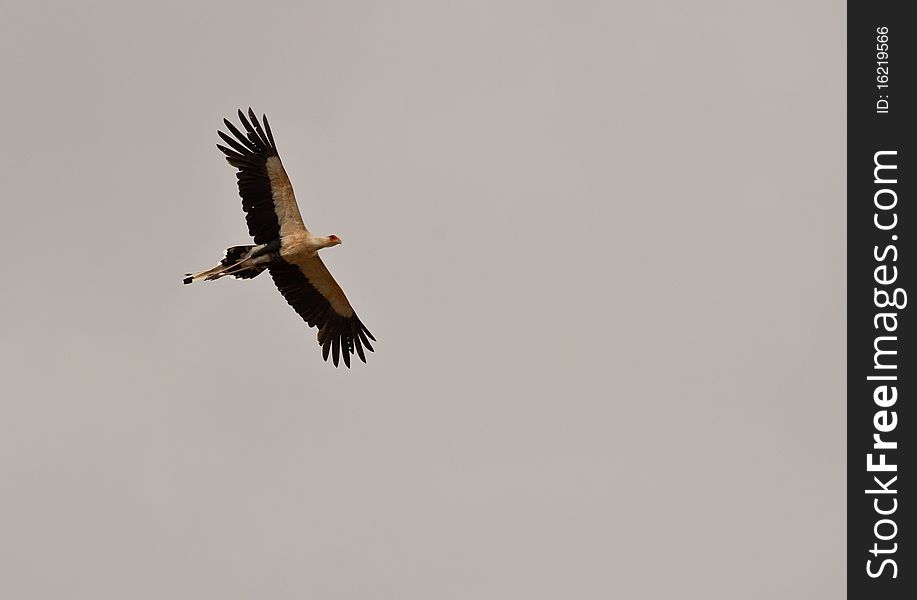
601,246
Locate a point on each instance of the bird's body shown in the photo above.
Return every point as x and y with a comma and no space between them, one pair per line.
283,245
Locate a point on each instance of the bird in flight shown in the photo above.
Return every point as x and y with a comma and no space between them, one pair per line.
283,246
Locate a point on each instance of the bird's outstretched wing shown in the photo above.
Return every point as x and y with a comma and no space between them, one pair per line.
309,288
267,196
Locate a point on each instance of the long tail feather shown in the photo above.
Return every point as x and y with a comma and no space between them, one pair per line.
240,262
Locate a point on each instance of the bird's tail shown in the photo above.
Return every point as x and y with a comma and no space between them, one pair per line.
238,262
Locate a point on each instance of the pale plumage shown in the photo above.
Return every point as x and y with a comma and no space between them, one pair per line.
283,244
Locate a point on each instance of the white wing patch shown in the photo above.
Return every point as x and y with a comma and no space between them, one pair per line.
320,277
284,200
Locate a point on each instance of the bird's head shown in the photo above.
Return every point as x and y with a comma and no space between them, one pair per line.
332,240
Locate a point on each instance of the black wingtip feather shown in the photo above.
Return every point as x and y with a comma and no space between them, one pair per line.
359,347
228,152
267,129
336,349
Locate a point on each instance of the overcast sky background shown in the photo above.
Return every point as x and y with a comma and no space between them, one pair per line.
601,245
